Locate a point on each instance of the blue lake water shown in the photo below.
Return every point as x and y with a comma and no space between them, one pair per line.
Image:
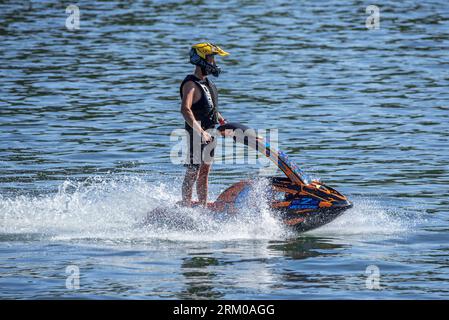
85,123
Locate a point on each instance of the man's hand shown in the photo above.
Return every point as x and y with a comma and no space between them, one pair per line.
221,119
205,137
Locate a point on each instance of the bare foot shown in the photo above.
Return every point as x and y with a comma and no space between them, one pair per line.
184,204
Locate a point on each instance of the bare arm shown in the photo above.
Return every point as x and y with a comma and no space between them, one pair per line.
188,92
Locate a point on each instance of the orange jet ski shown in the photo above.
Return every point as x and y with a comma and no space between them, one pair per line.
300,202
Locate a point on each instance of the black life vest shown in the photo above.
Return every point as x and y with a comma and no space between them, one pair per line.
206,108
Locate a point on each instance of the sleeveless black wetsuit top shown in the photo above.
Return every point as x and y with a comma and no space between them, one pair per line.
203,110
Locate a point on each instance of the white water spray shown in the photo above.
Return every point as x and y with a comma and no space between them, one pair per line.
114,208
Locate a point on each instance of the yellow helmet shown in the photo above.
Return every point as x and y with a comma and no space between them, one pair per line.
205,49
198,57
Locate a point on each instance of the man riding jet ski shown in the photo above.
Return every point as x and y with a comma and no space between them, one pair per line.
298,201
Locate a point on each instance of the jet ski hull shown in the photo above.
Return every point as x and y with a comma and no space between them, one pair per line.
299,208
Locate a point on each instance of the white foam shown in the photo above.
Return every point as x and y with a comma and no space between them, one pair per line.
113,208
368,218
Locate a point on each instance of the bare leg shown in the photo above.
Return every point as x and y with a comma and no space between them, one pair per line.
187,186
202,184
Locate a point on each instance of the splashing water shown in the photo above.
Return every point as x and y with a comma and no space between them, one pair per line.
369,217
114,209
